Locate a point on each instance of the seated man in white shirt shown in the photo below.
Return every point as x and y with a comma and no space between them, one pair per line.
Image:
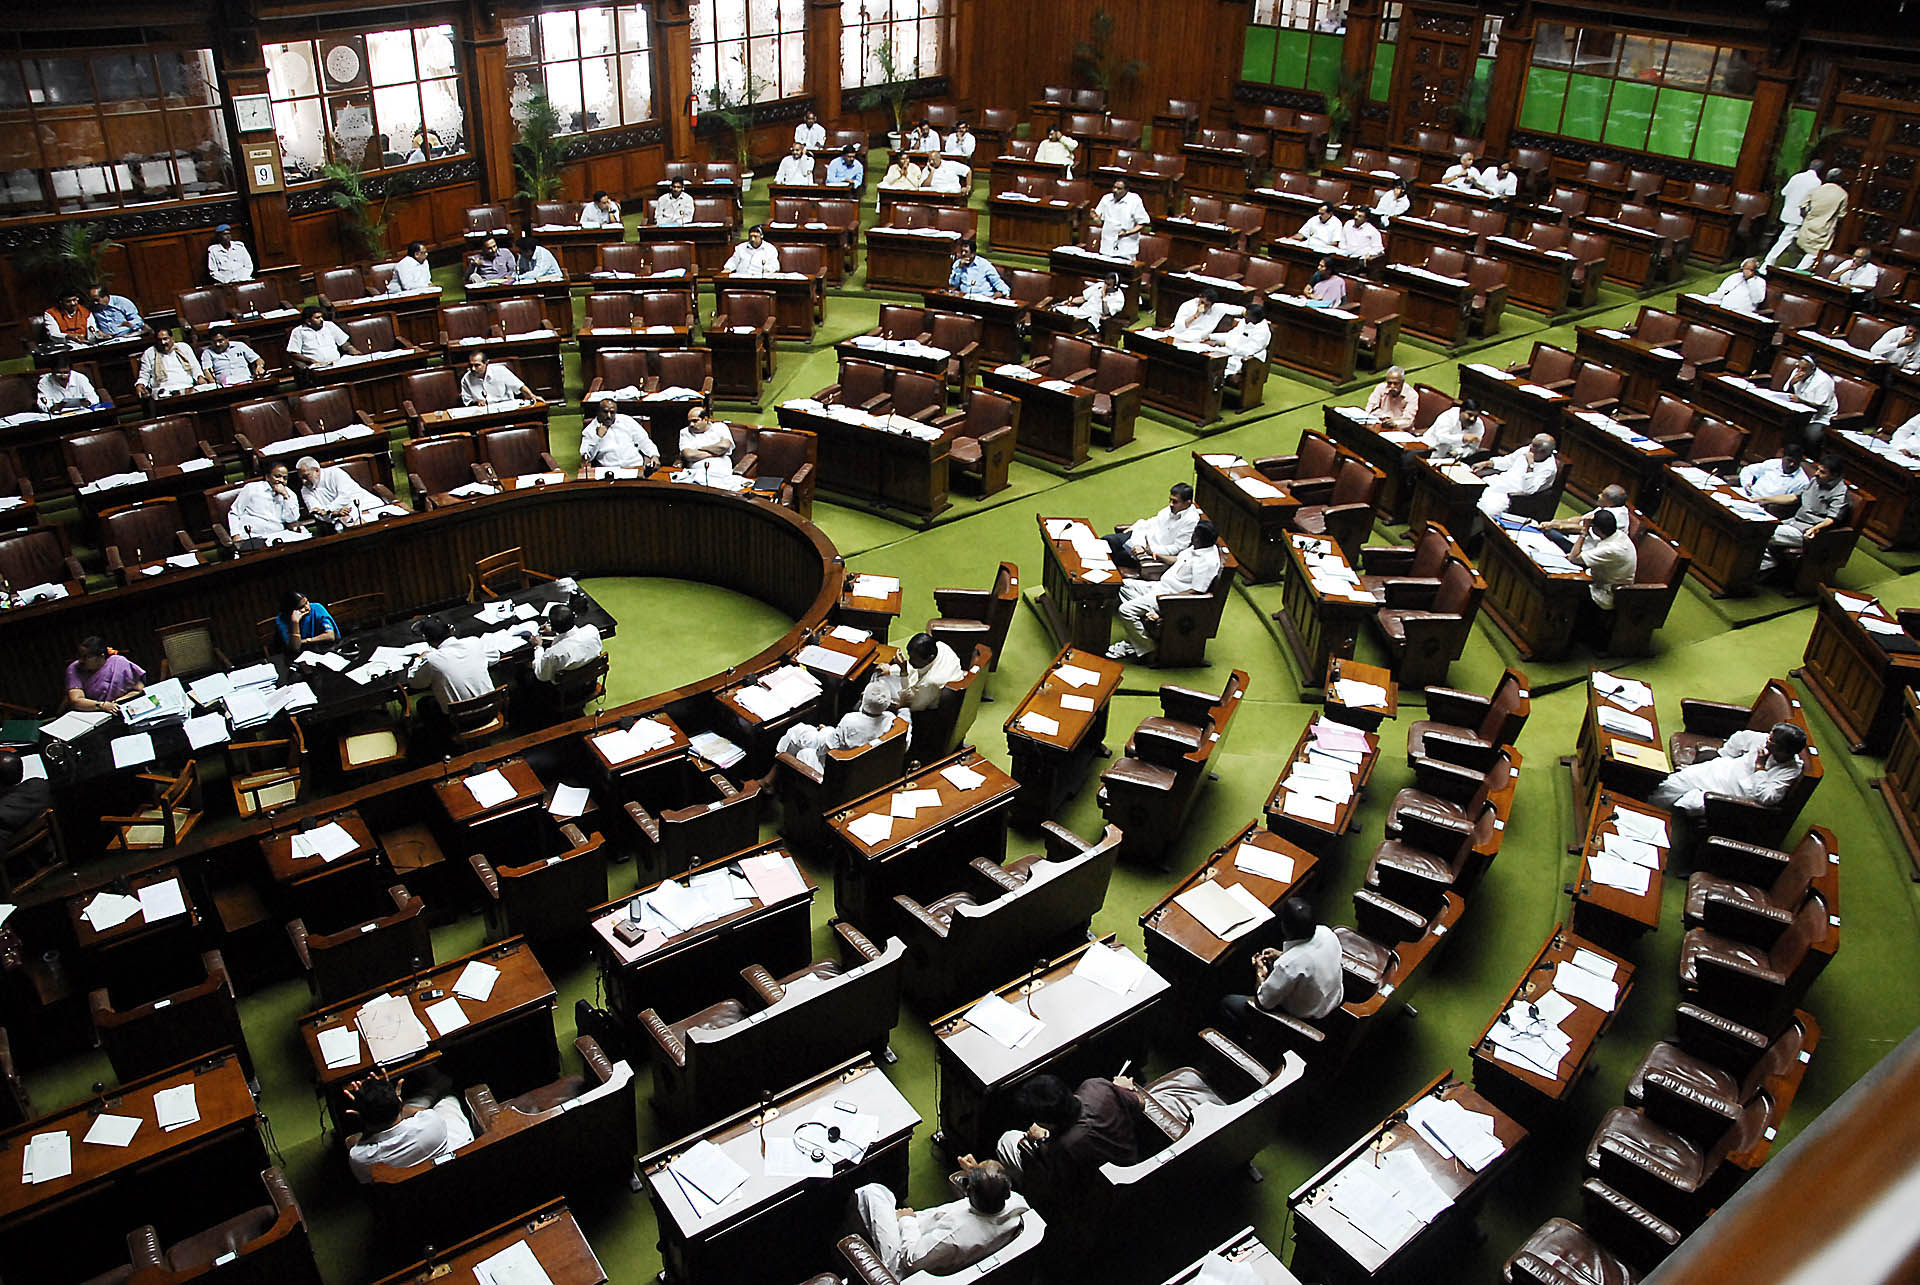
754,257
1392,202
331,494
1194,571
1756,766
796,168
706,447
1500,181
1057,149
1858,273
810,133
1900,346
904,172
1463,174
1392,404
602,211
64,388
613,440
265,508
1362,238
1744,291
428,1124
1814,387
316,342
536,262
944,175
863,725
168,367
1612,499
1199,316
452,669
1098,303
1162,536
1302,979
948,1239
411,271
1252,336
563,644
1121,217
921,138
486,383
675,209
1608,555
960,143
914,681
1907,436
230,361
1778,481
1324,231
1455,433
1527,471
227,259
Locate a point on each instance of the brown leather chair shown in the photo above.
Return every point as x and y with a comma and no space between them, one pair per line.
171,441
138,533
1379,308
436,465
1117,381
1001,917
1640,607
477,720
1488,277
512,317
322,410
1012,1264
39,555
460,322
917,396
1455,792
1345,513
1560,1252
1707,442
1316,458
425,391
1426,626
1466,729
199,308
363,955
484,220
1678,1179
1759,986
1752,893
972,617
754,310
374,333
806,796
1544,503
617,369
555,214
791,456
1549,366
1435,854
1692,1086
1151,789
690,820
91,456
1705,727
517,451
984,436
863,385
682,368
268,1242
1422,560
898,322
960,336
260,424
546,899
939,731
1188,620
340,285
806,1022
152,1031
1596,387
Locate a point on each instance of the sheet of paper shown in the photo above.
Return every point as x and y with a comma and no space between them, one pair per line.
476,981
47,1156
1615,872
1623,849
1111,968
1638,825
569,801
176,1107
1075,676
1213,908
1331,735
162,901
490,788
1355,694
1309,807
74,724
205,730
133,751
1371,1207
391,1029
1277,866
1038,724
774,878
962,777
1414,1184
447,1016
1006,1024
112,1130
1463,1133
109,910
711,1171
514,1265
1598,965
833,662
1583,985
1648,756
339,1046
785,1160
871,828
1618,720
1630,692
1081,704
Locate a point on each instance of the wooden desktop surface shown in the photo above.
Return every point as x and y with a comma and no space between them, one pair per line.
1601,911
1182,949
1726,547
549,1231
286,868
1050,765
1538,610
1320,835
1584,1026
462,808
1254,526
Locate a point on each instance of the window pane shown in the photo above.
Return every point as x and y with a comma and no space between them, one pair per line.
350,122
1733,73
1595,51
1675,122
1689,66
303,137
1586,112
793,64
396,110
64,81
557,37
187,77
763,17
13,92
636,87
563,91
850,70
202,137
1540,105
436,51
929,48
1552,45
596,32
1640,58
390,56
599,93
125,82
446,123
729,20
793,15
1629,115
634,33
77,154
290,70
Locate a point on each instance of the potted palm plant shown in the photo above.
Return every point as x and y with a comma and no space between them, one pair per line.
537,156
350,195
73,260
1095,63
735,112
1343,108
895,81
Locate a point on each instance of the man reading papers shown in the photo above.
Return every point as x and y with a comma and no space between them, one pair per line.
954,1236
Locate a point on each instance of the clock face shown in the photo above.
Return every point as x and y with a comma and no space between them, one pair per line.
343,65
253,113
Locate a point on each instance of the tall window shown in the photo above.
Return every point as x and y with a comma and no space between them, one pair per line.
1670,97
907,33
1296,44
748,49
380,99
595,63
110,128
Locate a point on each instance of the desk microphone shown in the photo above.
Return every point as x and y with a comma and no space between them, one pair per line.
1033,983
766,1110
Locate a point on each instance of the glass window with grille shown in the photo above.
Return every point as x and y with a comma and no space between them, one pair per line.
748,50
376,99
595,63
1642,93
111,128
883,41
1297,44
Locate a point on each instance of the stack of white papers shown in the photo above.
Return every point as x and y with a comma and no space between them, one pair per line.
871,586
47,1156
706,1176
1075,676
623,744
1640,826
109,910
446,1015
774,878
872,828
1277,866
390,1028
1006,1024
1624,724
962,777
329,842
1628,692
1038,724
74,724
205,730
833,662
906,804
489,788
569,801
476,981
780,692
1616,872
514,1265
1355,694
1372,1207
1111,968
1456,1131
339,1046
176,1108
1588,977
1228,913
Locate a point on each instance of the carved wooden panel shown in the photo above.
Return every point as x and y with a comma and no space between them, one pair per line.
1438,47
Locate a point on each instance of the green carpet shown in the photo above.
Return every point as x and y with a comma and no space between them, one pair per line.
1710,649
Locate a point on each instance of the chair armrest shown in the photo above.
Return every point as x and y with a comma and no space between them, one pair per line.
1734,859
76,477
856,947
1235,1058
763,984
1386,560
990,870
665,1042
297,934
917,917
1450,705
1757,925
866,1265
1721,1040
489,878
1448,780
1413,593
799,768
644,821
143,1248
482,1105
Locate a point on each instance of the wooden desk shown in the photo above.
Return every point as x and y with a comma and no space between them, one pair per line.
700,966
1622,763
550,1232
1389,450
137,933
1171,289
1190,239
925,854
1726,546
799,300
416,314
876,458
1051,766
1540,280
312,885
1900,786
1597,450
1752,333
1088,1030
37,443
901,354
1538,610
1313,339
1200,966
760,737
378,381
616,771
712,242
1411,238
1606,913
1244,1250
1000,321
1003,172
1330,1248
1838,357
1525,1089
871,610
157,1173
1894,520
577,248
508,1039
595,340
1650,369
1319,619
917,260
1252,513
213,404
463,809
1858,674
1365,717
1524,409
1078,599
1219,169
264,332
1437,308
836,246
1447,494
1283,213
774,1230
1182,379
554,297
1301,260
1030,225
1633,254
1310,833
1056,417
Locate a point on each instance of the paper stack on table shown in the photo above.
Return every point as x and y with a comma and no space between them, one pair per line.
871,828
962,777
1624,724
112,1130
489,788
109,910
1641,827
1075,676
774,877
871,586
176,1108
1632,850
329,842
47,1156
1006,1024
162,901
514,1265
1038,724
476,981
1277,866
1589,978
1112,968
390,1028
785,689
74,724
1529,1036
569,801
205,730
1456,1131
717,749
1228,913
1628,692
447,1016
706,1176
1371,1205
837,663
1355,694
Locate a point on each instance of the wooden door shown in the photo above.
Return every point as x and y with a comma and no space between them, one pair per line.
1877,110
1438,46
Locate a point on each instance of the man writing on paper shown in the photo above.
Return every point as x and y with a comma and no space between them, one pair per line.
454,669
809,742
1163,535
1750,766
1193,571
1074,1131
1302,978
914,682
416,1130
950,1238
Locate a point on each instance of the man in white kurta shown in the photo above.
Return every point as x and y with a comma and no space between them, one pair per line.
1756,766
316,341
1324,231
796,168
64,388
1608,555
1901,346
613,440
1455,432
946,176
1251,337
1097,303
1162,536
167,367
453,669
1859,273
1526,471
1198,317
1121,217
486,383
961,142
675,209
863,725
1744,291
915,679
1057,149
411,271
1814,387
1793,197
706,448
950,1238
1193,571
1907,436
1500,181
330,492
266,507
810,133
754,257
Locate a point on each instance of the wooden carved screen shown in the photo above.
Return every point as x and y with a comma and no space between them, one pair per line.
1877,110
1439,44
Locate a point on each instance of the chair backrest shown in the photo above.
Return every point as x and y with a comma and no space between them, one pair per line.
477,718
189,648
1355,483
943,729
1455,593
170,439
745,307
1658,326
1447,262
1595,383
713,209
914,392
672,256
198,307
955,332
258,296
519,316
623,257
1704,343
861,381
682,368
1028,285
266,420
783,452
1716,438
547,900
374,952
808,260
142,532
374,333
1853,394
463,321
149,1037
665,308
1588,247
32,557
985,412
1229,265
325,408
897,321
1796,312
612,309
1431,404
487,218
1550,364
431,390
337,285
1607,172
514,450
1114,369
554,214
441,463
847,774
1069,355
99,454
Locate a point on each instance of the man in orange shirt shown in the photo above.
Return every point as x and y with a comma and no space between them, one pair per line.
70,320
